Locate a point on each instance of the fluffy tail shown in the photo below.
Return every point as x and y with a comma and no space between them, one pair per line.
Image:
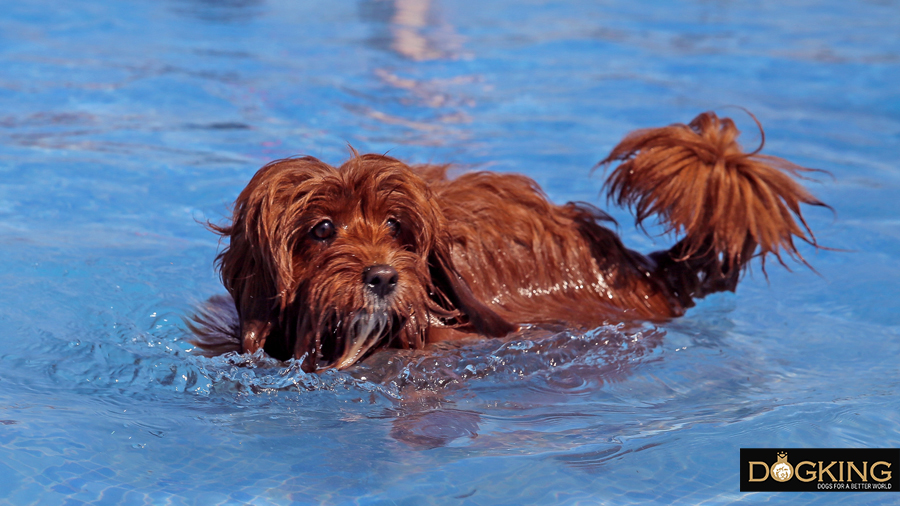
729,205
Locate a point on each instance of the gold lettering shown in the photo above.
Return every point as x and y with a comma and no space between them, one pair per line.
841,470
765,466
826,470
811,473
885,475
852,467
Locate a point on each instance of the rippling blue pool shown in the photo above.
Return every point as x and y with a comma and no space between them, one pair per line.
126,125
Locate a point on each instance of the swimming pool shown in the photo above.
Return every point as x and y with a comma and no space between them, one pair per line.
126,125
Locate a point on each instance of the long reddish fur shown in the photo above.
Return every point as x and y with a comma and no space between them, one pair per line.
484,252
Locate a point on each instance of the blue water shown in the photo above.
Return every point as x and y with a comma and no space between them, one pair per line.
125,125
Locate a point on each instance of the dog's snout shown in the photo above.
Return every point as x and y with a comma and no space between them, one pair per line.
380,279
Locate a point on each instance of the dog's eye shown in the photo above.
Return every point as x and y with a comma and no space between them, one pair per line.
394,226
323,230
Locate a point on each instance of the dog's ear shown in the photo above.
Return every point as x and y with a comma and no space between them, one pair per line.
251,288
257,317
257,267
452,287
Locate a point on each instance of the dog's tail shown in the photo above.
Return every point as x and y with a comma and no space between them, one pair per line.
728,205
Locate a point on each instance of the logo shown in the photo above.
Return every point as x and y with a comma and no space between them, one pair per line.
782,470
820,469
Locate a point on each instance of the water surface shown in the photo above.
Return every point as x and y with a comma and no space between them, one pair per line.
126,125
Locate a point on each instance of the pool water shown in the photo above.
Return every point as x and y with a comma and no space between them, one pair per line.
127,125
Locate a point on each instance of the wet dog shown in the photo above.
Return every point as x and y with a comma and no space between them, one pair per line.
326,264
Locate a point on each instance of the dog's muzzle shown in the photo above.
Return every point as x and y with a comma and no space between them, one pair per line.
364,329
363,332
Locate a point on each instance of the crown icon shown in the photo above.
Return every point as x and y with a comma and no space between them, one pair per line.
782,456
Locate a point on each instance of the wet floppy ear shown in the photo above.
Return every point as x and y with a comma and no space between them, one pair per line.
257,266
477,315
256,319
252,292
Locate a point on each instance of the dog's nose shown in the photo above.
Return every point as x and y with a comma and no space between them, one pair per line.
380,279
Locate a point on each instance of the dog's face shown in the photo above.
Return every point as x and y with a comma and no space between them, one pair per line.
325,264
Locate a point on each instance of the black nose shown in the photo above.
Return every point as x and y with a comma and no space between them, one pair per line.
380,279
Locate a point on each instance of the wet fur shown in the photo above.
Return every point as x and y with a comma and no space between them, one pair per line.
484,252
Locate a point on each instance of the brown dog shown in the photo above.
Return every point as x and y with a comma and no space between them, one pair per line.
327,264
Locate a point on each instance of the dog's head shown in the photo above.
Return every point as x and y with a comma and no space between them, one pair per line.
325,264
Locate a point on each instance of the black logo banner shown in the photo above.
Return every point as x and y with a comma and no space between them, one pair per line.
820,470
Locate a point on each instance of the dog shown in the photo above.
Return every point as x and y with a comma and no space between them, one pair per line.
327,264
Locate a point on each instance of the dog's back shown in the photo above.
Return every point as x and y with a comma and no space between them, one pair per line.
533,261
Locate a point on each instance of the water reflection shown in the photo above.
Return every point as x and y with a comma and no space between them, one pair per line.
433,429
413,29
417,32
541,367
220,11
